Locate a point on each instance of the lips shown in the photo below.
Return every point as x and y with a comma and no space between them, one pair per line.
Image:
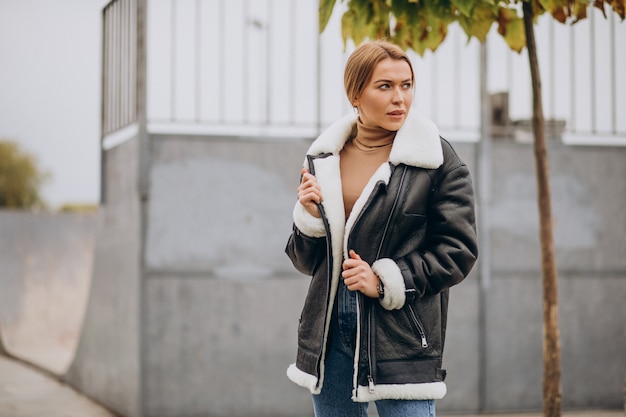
396,113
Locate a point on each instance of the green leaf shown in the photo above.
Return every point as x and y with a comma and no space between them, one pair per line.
465,7
480,22
511,27
325,11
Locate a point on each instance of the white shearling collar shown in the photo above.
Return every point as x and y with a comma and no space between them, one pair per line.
417,143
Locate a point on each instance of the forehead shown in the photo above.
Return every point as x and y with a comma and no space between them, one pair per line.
392,69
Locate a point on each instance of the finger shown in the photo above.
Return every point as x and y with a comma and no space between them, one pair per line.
350,264
309,198
354,255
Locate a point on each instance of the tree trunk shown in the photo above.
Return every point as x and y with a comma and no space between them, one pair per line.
551,338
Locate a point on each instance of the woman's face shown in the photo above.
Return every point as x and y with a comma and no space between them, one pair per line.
387,97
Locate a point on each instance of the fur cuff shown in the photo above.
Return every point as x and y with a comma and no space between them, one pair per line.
425,391
389,273
302,378
309,225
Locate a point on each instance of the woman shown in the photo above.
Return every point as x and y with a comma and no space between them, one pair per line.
384,224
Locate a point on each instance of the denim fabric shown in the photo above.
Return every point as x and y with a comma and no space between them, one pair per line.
346,316
335,400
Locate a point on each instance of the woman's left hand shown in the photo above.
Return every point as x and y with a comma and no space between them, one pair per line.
358,275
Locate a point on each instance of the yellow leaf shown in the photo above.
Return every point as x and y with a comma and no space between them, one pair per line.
325,11
479,23
464,6
514,34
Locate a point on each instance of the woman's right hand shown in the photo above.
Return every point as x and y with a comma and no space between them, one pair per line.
309,193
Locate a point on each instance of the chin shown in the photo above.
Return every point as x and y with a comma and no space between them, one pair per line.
393,126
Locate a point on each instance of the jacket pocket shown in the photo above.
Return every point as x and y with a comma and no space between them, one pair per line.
417,323
397,337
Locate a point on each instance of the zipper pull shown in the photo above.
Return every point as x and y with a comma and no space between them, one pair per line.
370,381
424,343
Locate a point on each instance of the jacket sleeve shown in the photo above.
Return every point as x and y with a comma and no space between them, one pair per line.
306,240
450,248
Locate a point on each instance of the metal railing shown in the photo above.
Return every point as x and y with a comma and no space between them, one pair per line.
119,65
260,67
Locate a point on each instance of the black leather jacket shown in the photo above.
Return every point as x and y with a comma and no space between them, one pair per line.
414,224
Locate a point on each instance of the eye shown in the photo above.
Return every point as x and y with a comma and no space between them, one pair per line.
407,86
384,86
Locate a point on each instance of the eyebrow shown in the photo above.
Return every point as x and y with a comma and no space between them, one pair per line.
390,81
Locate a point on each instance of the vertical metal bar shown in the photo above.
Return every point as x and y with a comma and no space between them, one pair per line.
123,62
111,66
222,61
114,78
103,100
245,50
110,74
572,87
292,61
592,63
173,60
118,64
613,70
130,64
318,76
133,59
268,98
198,57
456,82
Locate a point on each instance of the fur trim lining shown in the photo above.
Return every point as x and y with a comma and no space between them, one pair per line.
389,273
327,172
302,378
334,137
425,391
417,143
306,223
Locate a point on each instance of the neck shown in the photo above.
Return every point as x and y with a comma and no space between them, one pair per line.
372,137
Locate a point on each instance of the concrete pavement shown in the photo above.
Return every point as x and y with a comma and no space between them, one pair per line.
28,392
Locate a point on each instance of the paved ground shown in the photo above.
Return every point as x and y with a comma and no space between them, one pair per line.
27,392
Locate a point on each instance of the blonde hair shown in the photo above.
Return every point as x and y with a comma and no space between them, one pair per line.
363,60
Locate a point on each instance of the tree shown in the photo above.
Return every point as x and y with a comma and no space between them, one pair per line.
20,178
423,25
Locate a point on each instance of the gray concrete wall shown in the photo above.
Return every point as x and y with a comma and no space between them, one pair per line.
107,362
589,202
219,289
45,274
199,317
222,298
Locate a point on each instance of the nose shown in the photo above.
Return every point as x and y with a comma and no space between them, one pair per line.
397,97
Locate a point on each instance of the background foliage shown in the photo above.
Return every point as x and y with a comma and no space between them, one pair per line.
20,178
423,25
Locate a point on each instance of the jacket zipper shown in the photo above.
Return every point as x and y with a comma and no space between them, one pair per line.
418,324
370,337
370,349
329,256
393,208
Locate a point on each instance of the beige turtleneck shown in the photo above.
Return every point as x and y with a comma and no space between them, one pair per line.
360,157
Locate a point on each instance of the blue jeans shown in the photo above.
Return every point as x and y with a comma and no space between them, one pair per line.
335,400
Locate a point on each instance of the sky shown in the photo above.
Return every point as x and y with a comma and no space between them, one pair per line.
50,91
